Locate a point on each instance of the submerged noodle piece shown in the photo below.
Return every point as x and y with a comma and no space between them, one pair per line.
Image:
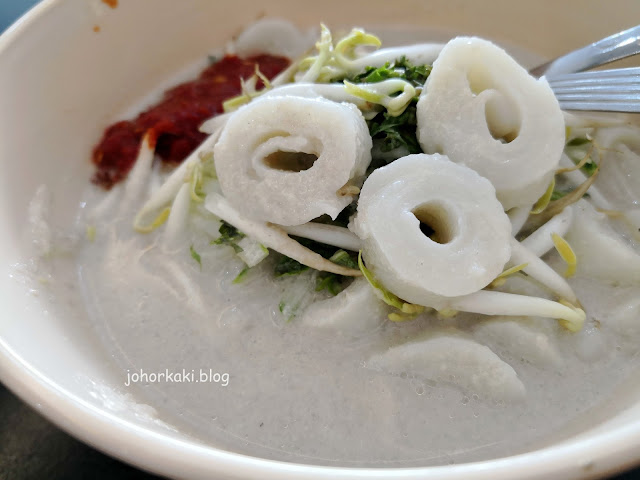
619,178
191,292
522,338
577,179
356,309
624,319
601,252
431,228
483,110
450,357
284,159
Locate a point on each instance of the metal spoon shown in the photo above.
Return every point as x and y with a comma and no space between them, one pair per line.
619,45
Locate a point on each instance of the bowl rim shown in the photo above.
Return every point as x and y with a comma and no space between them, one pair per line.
591,457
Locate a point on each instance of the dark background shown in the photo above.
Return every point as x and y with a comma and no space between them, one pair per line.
31,448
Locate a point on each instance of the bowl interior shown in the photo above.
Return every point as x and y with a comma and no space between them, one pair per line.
62,83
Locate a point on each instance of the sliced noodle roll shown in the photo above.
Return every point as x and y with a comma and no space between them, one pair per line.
431,228
483,110
285,159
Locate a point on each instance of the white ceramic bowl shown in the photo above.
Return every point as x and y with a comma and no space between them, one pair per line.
61,82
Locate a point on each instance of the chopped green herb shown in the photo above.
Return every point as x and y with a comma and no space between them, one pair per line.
229,231
342,257
241,276
229,235
331,282
416,74
289,266
557,194
580,150
289,306
589,168
400,68
195,255
578,141
397,131
374,75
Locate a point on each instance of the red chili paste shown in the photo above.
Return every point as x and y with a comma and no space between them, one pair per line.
174,121
111,3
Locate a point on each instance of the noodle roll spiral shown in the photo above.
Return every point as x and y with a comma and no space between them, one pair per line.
284,159
431,228
483,110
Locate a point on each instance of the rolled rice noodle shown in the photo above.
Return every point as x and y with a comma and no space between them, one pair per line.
284,159
471,240
483,110
468,245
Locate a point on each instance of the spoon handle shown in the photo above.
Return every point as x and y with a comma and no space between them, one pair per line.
619,45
